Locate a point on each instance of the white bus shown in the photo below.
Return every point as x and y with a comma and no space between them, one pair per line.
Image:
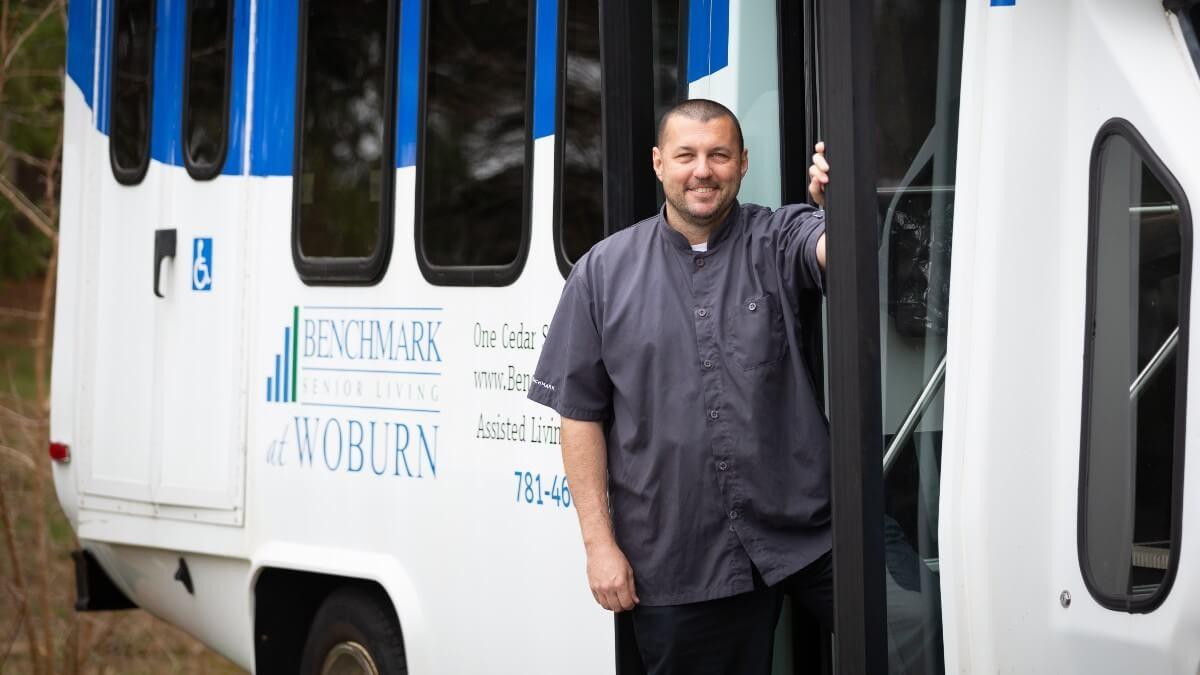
310,252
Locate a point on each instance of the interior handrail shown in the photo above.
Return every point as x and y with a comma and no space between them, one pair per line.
1156,363
919,406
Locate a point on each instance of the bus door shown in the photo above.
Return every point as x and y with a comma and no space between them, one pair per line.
163,404
123,194
916,61
198,428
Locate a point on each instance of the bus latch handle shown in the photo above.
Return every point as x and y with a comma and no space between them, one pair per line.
164,247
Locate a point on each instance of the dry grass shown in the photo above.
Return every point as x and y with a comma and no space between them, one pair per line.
37,579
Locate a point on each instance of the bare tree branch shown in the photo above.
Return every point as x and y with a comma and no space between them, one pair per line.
18,456
27,208
16,45
11,313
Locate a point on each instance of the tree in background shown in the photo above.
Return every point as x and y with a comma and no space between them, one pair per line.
39,630
32,47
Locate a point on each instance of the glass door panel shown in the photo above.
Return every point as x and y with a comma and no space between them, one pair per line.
918,58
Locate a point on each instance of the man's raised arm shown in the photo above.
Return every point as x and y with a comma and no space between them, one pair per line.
585,459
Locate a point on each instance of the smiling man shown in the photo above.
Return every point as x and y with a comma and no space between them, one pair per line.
697,453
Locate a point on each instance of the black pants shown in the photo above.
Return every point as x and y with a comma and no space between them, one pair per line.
733,635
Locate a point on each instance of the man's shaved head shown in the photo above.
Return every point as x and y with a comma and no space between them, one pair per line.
701,110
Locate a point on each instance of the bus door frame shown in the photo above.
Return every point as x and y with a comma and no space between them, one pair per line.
846,109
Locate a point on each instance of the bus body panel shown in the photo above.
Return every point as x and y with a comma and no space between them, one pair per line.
1039,83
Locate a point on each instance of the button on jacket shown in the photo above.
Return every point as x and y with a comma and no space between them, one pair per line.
718,454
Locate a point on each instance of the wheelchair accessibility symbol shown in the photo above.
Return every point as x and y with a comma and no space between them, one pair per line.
202,264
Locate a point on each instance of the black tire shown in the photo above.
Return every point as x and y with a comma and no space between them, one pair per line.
354,624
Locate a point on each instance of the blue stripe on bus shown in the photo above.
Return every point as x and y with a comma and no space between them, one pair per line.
409,74
708,37
545,67
273,117
273,126
81,46
103,56
236,147
167,82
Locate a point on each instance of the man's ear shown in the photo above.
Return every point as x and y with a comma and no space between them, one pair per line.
657,162
745,161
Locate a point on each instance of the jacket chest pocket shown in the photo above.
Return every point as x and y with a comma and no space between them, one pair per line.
756,332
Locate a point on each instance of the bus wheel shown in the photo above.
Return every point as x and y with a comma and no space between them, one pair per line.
355,631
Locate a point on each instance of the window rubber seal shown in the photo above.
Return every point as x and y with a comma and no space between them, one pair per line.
130,176
195,170
349,271
474,275
1121,127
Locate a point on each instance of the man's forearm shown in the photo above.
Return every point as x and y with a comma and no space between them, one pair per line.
585,459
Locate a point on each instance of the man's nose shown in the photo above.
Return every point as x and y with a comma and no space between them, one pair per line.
702,169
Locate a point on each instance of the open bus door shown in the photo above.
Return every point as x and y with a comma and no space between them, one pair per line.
878,80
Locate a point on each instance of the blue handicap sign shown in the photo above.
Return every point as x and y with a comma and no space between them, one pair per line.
202,264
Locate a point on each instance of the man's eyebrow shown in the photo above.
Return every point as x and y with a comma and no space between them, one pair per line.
688,148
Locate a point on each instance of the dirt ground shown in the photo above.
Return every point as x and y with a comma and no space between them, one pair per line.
37,579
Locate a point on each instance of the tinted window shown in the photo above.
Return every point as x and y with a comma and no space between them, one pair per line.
344,172
580,211
132,66
1135,367
206,112
475,140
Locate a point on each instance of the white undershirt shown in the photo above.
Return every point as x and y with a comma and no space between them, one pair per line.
700,248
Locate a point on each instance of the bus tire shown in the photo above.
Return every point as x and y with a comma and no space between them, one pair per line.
355,630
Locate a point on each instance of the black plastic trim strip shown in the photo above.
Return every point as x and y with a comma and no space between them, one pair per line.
1121,127
797,135
475,275
560,141
848,110
134,174
627,111
346,271
195,170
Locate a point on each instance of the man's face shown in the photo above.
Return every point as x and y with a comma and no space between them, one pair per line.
701,167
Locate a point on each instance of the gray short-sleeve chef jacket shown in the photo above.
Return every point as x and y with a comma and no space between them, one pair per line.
718,453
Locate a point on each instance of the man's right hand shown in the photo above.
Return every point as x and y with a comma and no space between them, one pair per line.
611,578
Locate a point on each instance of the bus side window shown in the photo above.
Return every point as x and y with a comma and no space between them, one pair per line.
344,175
579,189
131,100
579,154
1135,373
206,87
474,144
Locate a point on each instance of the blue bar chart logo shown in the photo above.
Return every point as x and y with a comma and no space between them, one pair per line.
281,386
202,264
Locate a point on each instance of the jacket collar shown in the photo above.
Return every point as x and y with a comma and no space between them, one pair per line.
719,234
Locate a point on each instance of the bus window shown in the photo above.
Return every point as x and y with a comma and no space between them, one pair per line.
475,142
206,88
344,174
918,60
579,191
1135,367
132,68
